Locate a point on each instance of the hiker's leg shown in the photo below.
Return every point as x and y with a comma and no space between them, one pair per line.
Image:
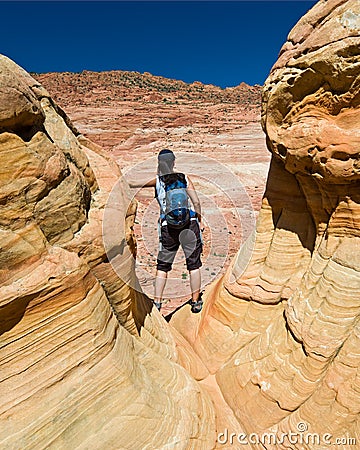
169,243
195,284
190,239
160,282
192,245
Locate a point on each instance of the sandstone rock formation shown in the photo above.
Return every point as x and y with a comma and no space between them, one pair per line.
281,331
87,363
106,88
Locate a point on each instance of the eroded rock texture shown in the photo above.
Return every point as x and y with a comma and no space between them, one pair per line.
281,331
85,362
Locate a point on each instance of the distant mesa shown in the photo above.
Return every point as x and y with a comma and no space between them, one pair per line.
117,86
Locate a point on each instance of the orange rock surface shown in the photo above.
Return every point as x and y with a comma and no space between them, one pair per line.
280,331
86,362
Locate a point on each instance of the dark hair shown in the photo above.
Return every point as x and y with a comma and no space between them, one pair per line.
166,154
166,160
172,177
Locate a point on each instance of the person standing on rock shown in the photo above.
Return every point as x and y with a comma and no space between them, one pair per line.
179,224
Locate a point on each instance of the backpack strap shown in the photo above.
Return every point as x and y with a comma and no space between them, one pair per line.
160,194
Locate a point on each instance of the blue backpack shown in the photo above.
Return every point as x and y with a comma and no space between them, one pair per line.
177,213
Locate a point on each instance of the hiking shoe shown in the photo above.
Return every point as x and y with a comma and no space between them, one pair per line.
158,305
196,307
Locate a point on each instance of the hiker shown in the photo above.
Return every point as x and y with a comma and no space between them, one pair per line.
178,225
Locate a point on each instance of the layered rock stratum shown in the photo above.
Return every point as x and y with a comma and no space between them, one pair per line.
280,332
86,362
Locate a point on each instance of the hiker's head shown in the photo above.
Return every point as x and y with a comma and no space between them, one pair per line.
166,161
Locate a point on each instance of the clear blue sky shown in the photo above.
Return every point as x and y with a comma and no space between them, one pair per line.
223,43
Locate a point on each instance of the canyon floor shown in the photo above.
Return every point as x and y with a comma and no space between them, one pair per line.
216,136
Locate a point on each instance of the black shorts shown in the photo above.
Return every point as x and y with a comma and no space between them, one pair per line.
188,237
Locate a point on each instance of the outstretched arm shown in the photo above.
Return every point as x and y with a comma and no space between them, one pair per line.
194,198
141,183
